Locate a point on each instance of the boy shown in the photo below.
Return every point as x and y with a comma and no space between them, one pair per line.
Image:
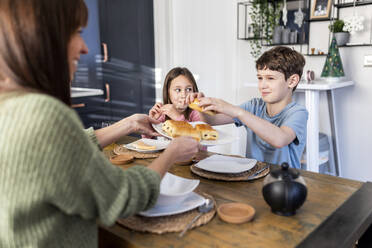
276,126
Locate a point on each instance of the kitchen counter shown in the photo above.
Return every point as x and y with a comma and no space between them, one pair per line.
82,92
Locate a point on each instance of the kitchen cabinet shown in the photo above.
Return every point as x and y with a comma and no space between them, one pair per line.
91,110
121,60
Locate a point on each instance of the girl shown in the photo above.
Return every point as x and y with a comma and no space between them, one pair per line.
178,84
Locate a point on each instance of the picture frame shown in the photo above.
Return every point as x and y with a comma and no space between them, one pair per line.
321,9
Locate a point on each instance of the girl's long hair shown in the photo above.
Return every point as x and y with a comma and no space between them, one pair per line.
172,74
34,38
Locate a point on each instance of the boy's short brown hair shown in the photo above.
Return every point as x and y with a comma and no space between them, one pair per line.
282,59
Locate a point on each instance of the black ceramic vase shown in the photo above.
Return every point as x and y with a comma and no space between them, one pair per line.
284,190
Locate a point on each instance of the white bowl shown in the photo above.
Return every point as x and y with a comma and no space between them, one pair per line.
175,189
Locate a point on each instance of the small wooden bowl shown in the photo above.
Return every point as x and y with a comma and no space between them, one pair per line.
235,212
121,159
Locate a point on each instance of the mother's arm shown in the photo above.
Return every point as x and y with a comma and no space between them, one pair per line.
137,123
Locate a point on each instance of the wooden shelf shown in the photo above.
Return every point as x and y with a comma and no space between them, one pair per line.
286,44
321,20
315,55
251,38
348,5
356,45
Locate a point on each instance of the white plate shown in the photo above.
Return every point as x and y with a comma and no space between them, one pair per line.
175,189
160,145
226,164
191,202
223,136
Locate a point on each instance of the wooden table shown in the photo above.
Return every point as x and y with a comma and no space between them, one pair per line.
336,213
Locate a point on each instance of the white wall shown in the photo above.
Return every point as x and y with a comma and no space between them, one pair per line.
201,35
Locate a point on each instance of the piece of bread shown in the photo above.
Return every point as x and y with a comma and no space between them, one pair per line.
186,131
170,125
195,105
143,146
180,128
207,132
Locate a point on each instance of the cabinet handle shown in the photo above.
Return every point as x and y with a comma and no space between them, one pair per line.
105,53
78,105
107,92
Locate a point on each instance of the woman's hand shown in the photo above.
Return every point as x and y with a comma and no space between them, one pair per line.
171,111
141,123
155,112
137,123
179,150
184,148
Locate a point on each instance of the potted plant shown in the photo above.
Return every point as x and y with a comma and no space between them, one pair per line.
264,15
341,34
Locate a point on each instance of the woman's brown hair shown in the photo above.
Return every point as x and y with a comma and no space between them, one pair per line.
172,74
34,38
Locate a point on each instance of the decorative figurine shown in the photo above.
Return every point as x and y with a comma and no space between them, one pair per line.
354,23
284,17
333,65
299,16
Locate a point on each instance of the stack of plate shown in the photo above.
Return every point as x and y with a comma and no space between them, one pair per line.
176,196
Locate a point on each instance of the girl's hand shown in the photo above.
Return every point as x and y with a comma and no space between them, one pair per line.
190,97
170,111
155,112
220,106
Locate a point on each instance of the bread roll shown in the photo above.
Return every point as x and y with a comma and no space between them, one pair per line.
180,128
186,131
207,132
170,125
195,105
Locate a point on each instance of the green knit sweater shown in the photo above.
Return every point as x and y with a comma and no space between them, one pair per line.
54,181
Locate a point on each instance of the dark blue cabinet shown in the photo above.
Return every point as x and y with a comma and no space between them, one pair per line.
121,60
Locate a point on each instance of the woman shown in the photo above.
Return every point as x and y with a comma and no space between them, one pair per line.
54,182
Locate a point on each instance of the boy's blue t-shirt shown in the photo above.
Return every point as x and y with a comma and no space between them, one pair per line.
293,116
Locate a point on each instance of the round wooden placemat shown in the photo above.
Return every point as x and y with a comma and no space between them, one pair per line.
169,223
120,149
244,176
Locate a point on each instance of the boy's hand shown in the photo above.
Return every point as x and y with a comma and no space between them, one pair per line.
170,111
155,111
190,97
220,106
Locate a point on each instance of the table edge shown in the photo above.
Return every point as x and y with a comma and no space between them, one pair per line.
342,224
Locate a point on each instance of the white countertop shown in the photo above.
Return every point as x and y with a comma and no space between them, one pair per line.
82,92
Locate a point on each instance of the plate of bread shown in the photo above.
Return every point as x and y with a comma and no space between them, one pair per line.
147,145
204,133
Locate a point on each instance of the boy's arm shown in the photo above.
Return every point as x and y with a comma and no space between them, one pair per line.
218,119
270,133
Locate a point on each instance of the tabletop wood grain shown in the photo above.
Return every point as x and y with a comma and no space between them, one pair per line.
325,194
